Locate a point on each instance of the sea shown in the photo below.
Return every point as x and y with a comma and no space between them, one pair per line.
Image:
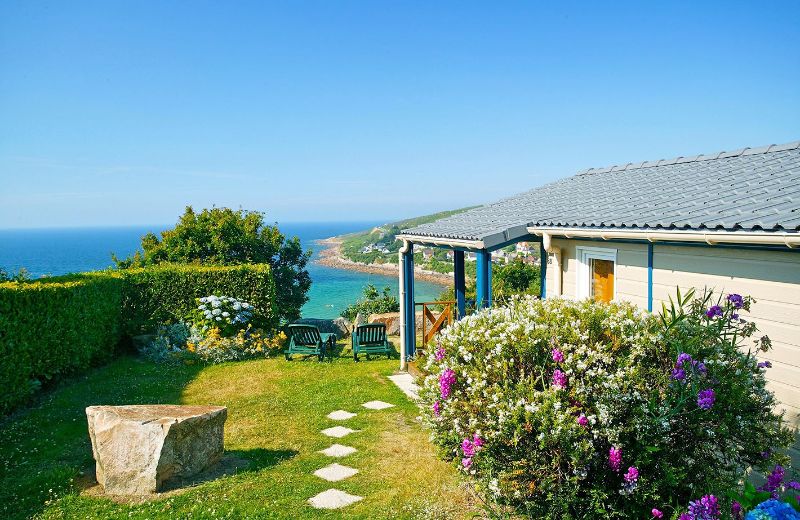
52,252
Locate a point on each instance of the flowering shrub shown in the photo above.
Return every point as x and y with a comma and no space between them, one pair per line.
563,409
219,330
224,313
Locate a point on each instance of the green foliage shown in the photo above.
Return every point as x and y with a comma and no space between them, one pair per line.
167,293
53,327
57,326
222,236
508,280
532,398
373,302
20,276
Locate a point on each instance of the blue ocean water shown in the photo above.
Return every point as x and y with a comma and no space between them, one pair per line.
60,251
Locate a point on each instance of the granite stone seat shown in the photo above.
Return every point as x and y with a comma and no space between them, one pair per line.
138,448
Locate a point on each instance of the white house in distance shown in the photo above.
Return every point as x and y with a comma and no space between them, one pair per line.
728,221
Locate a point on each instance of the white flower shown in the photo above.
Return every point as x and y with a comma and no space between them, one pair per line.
226,314
219,319
216,312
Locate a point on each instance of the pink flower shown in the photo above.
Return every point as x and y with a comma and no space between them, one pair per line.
615,458
470,447
558,356
559,379
583,421
466,462
446,380
656,513
437,408
439,354
632,475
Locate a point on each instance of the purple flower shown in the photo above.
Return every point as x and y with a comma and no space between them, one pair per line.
685,516
700,367
632,475
736,510
439,354
707,508
793,485
559,379
683,357
470,447
477,442
774,481
446,380
714,311
678,374
765,364
437,408
766,454
583,421
615,458
656,513
466,462
558,356
736,300
705,399
735,316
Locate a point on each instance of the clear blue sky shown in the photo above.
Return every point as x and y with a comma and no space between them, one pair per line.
116,113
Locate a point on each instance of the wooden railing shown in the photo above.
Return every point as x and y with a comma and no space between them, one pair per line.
431,323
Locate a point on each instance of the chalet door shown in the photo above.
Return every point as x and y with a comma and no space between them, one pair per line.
602,273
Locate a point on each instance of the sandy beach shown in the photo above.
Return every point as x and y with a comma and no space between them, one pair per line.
330,255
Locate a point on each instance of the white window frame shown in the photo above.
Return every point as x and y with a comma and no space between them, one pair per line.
584,256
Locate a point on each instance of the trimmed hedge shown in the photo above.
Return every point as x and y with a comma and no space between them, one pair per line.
57,326
166,293
52,327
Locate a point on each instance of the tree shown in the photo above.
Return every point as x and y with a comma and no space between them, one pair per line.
373,302
222,236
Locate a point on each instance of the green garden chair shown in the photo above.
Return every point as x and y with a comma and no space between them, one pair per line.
371,339
306,340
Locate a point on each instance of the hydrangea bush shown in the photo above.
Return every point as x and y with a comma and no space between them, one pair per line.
218,330
562,409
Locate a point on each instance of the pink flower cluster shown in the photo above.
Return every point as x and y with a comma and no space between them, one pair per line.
469,447
558,356
615,458
439,354
559,379
446,381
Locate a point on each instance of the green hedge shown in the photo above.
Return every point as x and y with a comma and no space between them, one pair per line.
166,293
53,327
62,325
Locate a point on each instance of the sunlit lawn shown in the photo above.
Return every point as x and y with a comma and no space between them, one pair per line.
276,411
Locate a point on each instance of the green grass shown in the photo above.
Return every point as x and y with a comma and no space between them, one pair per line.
276,410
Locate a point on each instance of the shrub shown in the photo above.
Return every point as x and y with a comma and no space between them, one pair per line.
222,236
168,293
563,409
373,302
227,314
52,327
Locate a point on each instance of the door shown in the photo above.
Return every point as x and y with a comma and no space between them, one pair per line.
602,273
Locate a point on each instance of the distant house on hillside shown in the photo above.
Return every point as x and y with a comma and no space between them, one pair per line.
728,221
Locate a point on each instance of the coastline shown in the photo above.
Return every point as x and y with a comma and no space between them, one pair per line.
330,255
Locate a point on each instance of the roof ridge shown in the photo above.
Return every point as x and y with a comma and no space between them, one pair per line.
702,157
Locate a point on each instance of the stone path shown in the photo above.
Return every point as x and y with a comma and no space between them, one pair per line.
334,498
405,382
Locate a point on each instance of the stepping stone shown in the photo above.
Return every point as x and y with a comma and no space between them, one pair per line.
335,472
405,382
377,405
341,415
337,431
338,450
333,499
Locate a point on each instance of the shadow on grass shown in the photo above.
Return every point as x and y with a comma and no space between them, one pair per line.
46,445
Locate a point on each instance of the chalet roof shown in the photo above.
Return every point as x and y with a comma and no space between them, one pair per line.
752,189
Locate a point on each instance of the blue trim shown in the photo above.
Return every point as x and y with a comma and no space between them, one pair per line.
460,283
481,278
650,277
408,303
488,278
542,271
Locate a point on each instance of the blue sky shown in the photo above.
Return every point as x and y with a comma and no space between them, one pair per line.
121,113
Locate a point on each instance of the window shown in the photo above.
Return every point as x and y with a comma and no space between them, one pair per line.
596,273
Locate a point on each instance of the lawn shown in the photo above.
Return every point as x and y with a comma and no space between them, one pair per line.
276,411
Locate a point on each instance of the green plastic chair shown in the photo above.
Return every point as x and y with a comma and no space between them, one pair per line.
306,340
371,339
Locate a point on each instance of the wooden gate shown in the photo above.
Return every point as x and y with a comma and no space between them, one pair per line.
431,323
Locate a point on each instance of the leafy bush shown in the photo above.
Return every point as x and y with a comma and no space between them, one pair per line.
222,236
53,327
373,302
168,293
563,409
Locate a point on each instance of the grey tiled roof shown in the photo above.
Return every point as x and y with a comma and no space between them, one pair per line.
752,189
